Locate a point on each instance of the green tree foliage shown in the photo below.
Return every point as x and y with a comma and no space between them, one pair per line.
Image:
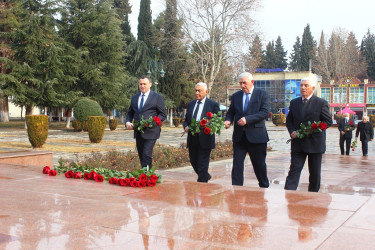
86,107
295,57
269,56
280,55
138,58
123,9
368,51
307,48
145,23
255,56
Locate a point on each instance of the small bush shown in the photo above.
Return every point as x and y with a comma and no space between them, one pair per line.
85,108
77,125
372,119
176,121
278,119
337,118
37,129
113,123
96,126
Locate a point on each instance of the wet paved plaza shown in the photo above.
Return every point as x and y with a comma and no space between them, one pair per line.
42,212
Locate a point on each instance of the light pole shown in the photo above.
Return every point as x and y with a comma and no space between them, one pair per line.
156,67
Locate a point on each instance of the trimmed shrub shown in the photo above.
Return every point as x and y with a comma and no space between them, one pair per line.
96,126
278,119
77,125
37,129
372,119
85,108
176,121
113,123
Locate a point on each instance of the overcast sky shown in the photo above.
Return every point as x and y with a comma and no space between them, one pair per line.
287,18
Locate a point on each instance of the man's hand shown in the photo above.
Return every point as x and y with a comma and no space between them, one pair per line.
293,134
355,138
129,125
242,121
342,132
187,129
226,124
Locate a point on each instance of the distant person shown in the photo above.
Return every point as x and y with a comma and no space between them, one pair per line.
366,130
304,109
346,127
200,145
144,104
248,110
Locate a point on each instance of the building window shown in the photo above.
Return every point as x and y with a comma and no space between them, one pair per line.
371,95
356,95
326,94
276,91
339,95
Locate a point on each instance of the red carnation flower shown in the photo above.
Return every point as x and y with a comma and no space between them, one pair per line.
207,130
52,173
352,149
99,178
93,175
46,170
209,115
142,177
203,122
314,126
150,183
351,123
87,176
131,179
113,180
69,174
77,175
133,184
142,183
153,178
323,126
123,182
157,120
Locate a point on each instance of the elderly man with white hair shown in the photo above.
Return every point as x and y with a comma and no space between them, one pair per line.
366,130
305,109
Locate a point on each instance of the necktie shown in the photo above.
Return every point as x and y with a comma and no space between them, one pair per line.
196,110
141,104
247,100
304,101
303,107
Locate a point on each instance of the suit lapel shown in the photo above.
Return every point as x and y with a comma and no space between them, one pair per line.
149,99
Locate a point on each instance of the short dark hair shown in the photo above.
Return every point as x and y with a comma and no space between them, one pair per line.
146,77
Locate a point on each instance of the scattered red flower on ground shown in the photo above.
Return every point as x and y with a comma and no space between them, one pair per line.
142,177
112,180
77,175
87,176
153,178
99,178
46,170
52,173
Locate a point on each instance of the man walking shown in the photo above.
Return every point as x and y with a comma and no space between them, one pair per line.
248,110
366,130
346,126
144,105
201,144
308,108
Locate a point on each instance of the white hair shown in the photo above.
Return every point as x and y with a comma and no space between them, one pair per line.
365,117
202,84
246,74
308,79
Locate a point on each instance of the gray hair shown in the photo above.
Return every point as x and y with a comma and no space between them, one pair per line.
202,84
365,117
308,79
246,74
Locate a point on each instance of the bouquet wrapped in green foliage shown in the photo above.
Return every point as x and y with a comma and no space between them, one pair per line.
146,123
310,128
211,124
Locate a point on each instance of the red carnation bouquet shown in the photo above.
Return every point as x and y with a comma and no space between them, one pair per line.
146,123
310,128
211,124
348,127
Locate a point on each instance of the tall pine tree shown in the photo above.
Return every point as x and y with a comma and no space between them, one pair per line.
145,23
280,55
295,57
368,51
268,61
123,9
307,48
255,56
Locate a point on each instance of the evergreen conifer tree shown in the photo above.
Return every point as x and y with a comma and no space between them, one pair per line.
307,48
295,57
255,56
268,61
280,55
368,51
145,23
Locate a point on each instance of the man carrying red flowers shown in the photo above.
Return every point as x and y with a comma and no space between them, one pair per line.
200,144
346,127
302,110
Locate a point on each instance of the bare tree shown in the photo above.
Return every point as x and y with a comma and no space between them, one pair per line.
321,60
215,31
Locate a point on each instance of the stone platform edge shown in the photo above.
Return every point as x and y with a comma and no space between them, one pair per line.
27,158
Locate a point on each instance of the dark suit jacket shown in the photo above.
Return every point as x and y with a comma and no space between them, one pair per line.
366,129
317,110
257,111
348,134
154,106
205,141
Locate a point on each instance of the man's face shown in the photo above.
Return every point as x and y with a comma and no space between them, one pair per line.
200,93
347,115
144,85
306,89
246,84
364,119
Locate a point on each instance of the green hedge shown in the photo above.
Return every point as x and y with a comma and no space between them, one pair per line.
85,108
37,129
113,123
278,119
96,126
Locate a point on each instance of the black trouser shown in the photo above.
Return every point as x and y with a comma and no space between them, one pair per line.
364,147
199,159
257,153
145,148
297,162
348,141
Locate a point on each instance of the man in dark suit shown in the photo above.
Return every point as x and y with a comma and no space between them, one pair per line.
145,104
346,126
302,110
248,110
200,145
367,133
